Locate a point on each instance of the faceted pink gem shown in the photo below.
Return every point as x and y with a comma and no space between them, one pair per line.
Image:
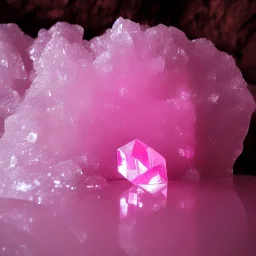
140,164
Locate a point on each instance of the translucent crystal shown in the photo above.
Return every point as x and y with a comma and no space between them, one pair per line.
140,164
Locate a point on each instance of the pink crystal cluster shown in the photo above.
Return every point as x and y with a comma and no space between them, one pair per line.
85,99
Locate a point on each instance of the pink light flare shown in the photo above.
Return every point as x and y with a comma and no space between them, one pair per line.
141,165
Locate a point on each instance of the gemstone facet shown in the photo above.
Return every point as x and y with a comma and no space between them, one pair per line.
140,164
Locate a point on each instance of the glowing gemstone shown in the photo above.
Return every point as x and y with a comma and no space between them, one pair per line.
140,164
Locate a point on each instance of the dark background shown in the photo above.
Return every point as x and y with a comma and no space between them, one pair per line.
230,24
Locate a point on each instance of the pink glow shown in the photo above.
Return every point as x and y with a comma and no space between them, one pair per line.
140,164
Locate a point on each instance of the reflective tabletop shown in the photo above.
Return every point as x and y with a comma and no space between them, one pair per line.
184,218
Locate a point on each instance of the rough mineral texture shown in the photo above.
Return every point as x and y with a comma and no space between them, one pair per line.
87,98
14,67
230,25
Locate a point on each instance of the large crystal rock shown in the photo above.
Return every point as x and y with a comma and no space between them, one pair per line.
86,99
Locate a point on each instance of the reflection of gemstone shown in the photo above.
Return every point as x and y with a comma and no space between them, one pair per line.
140,164
136,201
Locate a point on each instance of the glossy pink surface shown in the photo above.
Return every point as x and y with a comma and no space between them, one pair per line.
210,218
141,164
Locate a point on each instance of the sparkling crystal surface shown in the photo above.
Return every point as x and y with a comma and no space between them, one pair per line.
141,164
67,104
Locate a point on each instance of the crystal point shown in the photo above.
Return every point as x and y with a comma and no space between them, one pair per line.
141,164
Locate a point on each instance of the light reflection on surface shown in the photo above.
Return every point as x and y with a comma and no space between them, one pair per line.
136,203
190,218
137,200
